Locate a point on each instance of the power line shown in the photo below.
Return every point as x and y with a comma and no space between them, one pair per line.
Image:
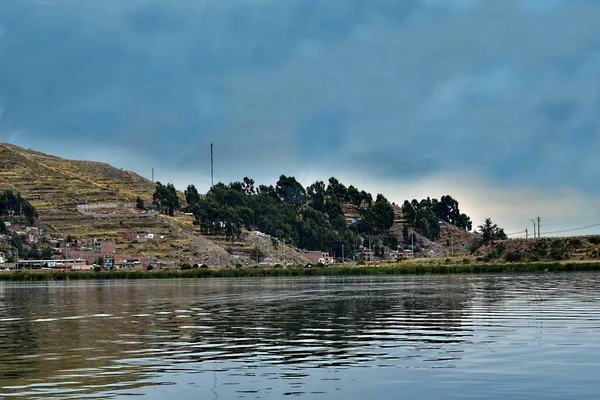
573,229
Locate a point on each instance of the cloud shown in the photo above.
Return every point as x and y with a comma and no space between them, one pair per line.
399,91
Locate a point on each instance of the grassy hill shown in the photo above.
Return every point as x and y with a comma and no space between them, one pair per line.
55,186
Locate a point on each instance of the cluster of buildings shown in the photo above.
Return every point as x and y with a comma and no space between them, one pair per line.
76,254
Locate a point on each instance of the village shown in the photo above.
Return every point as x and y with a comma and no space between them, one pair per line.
60,252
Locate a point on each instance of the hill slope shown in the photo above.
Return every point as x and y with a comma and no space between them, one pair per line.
56,186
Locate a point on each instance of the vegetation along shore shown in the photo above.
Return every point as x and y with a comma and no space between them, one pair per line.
346,270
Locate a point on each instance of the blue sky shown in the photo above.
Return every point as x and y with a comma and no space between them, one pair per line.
494,102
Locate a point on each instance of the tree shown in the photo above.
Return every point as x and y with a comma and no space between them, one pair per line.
291,191
165,198
382,213
3,228
191,195
490,231
139,203
46,253
248,186
316,195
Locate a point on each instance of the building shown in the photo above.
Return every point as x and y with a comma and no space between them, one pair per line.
2,258
103,246
137,236
319,257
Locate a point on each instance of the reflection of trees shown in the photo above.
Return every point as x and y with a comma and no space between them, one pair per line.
331,325
148,326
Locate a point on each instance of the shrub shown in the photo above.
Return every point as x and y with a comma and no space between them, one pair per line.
480,259
321,265
557,254
239,266
277,266
466,261
150,267
185,266
512,257
447,261
97,268
203,266
360,263
594,239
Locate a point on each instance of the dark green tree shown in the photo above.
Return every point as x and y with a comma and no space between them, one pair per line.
291,191
191,195
165,198
139,203
490,231
316,195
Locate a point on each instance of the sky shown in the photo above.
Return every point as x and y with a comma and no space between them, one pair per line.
495,102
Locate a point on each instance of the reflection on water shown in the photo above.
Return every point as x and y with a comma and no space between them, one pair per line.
447,336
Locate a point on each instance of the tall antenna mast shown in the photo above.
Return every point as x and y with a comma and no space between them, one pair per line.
211,166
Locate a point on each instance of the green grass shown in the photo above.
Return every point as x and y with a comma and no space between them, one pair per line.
390,269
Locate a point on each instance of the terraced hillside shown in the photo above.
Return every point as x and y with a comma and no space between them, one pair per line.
55,186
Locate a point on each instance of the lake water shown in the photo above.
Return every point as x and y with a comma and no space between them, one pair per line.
482,337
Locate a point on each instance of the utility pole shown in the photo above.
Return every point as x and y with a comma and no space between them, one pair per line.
539,225
284,252
342,253
178,256
152,174
526,234
17,260
370,252
533,227
148,255
452,252
211,166
412,243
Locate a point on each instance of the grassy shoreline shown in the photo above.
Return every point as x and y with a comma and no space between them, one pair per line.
346,270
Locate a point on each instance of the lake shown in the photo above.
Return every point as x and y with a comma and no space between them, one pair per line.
456,337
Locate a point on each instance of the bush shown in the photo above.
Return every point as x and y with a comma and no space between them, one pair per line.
321,265
239,266
480,259
447,261
360,263
277,266
557,254
150,267
97,268
185,266
204,266
512,257
594,239
466,261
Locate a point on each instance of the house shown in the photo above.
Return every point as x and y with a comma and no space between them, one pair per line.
319,257
392,255
103,246
2,258
137,236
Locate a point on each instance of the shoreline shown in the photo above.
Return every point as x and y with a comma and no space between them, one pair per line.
349,270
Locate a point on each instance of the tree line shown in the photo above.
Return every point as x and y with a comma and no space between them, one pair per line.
311,217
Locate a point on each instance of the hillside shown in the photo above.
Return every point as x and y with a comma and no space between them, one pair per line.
56,186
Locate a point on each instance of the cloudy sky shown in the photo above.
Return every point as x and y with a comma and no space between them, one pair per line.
496,102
